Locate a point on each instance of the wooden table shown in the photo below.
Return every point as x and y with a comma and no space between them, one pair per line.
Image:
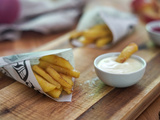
90,101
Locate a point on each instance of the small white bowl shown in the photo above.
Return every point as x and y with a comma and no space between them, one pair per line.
154,35
119,80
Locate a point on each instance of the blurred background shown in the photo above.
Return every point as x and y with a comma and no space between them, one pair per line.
28,24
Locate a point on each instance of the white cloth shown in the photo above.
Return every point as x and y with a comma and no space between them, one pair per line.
44,17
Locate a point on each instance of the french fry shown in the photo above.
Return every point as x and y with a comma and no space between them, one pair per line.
93,34
85,41
67,78
127,52
55,93
103,41
45,75
75,34
72,73
57,77
68,90
56,60
48,71
100,27
60,89
89,36
46,86
97,34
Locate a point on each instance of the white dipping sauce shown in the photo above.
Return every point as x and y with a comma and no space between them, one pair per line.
110,65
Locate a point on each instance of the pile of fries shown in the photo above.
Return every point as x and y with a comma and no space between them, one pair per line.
100,35
54,74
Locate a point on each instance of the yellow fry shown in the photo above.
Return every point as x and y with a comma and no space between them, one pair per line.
72,73
46,86
54,93
86,41
94,34
103,41
45,75
57,77
67,78
68,90
75,35
100,27
127,52
60,89
59,61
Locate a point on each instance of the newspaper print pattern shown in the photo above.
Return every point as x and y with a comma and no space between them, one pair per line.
14,65
19,71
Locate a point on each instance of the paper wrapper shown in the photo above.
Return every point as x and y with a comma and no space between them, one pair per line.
120,23
18,67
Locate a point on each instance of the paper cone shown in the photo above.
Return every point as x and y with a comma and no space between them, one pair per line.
18,67
120,23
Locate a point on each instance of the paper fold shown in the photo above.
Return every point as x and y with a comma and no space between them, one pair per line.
120,23
18,67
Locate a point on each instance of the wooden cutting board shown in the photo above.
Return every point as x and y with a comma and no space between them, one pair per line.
92,99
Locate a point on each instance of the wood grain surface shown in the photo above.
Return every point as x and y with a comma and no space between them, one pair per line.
92,99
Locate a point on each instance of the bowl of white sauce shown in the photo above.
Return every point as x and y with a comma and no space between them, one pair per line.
117,74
